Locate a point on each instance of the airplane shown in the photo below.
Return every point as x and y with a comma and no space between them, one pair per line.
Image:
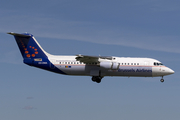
84,65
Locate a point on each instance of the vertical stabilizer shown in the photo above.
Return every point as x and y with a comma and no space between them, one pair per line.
28,46
33,53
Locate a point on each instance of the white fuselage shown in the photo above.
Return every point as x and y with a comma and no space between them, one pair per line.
140,67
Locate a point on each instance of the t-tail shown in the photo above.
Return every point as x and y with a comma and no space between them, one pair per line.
32,53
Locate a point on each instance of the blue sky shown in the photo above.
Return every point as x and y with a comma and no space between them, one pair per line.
131,28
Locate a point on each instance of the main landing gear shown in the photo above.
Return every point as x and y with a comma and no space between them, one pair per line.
96,79
162,80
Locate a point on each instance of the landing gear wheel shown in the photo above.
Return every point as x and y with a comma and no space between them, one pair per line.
162,80
96,79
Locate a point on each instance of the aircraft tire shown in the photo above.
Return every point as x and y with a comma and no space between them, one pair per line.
94,79
162,80
98,80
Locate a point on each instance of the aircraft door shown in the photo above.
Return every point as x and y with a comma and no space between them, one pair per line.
160,69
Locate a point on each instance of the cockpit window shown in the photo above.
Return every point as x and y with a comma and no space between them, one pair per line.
158,64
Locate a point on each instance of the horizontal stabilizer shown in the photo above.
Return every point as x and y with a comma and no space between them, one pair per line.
20,35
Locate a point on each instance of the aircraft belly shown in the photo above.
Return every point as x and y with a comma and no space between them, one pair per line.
122,71
77,69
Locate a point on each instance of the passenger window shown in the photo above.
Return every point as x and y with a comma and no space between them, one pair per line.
137,63
134,63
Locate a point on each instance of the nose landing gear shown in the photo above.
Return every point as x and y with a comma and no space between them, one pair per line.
162,80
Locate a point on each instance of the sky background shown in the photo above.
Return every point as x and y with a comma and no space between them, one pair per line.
124,28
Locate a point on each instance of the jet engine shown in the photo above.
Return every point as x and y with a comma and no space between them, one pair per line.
109,65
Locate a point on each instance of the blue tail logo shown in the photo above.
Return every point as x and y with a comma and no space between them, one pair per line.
28,46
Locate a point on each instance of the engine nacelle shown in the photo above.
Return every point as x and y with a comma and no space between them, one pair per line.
109,65
106,64
115,66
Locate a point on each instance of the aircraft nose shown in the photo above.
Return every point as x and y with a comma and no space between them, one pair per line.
170,71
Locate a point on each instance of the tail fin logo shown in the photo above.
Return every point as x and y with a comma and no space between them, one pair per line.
33,50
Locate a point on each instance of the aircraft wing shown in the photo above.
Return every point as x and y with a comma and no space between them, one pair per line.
91,59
